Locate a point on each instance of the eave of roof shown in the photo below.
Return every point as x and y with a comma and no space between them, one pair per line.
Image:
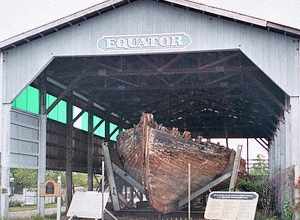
111,4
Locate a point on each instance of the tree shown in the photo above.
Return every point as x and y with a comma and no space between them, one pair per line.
80,179
27,178
53,175
24,178
260,167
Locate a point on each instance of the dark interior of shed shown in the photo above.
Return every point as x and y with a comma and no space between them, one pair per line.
214,94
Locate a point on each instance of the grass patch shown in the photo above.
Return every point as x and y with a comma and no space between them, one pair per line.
29,208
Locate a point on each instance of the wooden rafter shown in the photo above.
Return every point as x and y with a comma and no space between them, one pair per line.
77,117
67,90
182,71
270,95
101,113
97,125
266,147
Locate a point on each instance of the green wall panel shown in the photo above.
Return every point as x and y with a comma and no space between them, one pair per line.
112,127
101,129
82,121
59,113
85,121
28,101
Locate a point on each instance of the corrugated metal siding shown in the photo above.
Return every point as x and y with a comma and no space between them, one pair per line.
24,141
24,144
273,53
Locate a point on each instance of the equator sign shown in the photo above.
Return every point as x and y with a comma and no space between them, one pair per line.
146,42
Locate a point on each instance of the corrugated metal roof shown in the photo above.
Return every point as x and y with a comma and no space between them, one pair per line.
111,4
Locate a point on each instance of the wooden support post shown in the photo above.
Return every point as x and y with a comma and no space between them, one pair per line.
131,196
204,189
126,193
5,150
69,154
42,149
140,196
248,168
236,168
297,192
58,206
123,190
90,156
121,173
123,201
227,145
102,187
111,179
233,174
189,191
4,143
110,214
107,134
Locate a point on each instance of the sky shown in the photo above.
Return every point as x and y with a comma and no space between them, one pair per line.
17,16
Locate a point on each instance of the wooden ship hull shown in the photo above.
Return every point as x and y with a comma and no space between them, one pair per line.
158,158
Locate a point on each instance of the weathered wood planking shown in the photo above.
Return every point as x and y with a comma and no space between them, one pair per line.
158,159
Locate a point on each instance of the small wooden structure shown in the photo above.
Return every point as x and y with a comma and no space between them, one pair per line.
50,189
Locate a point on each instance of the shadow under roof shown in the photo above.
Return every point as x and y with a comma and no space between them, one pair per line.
212,94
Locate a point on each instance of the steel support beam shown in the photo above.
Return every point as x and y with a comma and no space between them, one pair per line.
42,150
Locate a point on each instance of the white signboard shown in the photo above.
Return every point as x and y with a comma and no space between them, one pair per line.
231,205
87,205
144,42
